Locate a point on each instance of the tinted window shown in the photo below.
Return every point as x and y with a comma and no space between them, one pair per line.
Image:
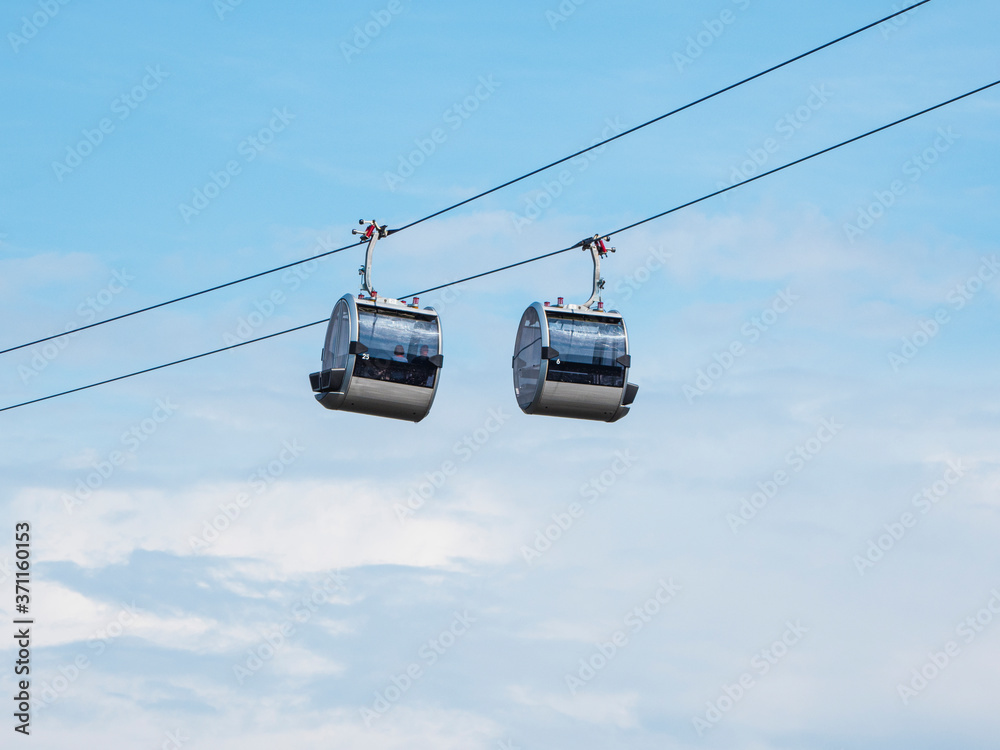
588,350
399,347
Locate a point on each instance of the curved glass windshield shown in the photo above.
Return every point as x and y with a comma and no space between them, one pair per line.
527,357
338,337
400,346
588,350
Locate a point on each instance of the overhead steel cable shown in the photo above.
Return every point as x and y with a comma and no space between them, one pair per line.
672,112
717,192
529,260
71,331
452,207
160,367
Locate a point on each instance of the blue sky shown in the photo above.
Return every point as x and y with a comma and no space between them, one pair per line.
795,521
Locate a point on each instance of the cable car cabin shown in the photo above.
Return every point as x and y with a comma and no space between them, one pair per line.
381,357
571,361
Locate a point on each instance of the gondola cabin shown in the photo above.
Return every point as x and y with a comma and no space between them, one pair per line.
572,361
381,357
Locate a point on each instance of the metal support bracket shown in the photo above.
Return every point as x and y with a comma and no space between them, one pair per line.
373,234
597,251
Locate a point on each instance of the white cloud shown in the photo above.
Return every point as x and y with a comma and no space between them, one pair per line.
72,617
294,527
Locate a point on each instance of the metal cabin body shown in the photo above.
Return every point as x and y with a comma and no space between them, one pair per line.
380,357
572,361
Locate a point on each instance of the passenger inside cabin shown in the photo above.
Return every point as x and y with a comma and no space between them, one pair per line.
423,370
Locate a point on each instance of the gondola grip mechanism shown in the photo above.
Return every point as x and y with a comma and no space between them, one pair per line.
598,249
373,234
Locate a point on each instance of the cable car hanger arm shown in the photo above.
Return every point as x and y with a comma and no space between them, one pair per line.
597,251
373,234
